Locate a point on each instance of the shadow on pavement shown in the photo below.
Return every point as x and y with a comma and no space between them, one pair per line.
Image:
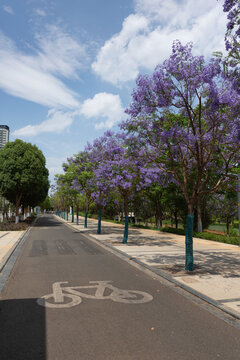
224,263
136,237
22,330
47,221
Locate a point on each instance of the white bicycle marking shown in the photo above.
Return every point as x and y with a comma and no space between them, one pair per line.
68,296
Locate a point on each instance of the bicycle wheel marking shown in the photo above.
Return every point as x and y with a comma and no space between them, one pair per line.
68,296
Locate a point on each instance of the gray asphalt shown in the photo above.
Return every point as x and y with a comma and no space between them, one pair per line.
168,327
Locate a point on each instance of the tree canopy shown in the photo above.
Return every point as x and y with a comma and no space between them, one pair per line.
23,174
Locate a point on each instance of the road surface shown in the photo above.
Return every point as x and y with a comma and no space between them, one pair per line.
66,299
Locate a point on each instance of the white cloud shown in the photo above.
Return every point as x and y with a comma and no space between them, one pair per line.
8,9
54,166
103,106
40,12
114,62
34,77
172,11
146,36
57,121
59,52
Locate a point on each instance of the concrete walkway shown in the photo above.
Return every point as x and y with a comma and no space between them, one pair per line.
8,242
216,277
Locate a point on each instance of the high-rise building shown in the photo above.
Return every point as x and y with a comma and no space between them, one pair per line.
4,135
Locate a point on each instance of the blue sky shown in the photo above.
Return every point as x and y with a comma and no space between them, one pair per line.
67,68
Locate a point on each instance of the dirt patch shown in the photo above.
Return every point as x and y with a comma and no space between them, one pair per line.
11,226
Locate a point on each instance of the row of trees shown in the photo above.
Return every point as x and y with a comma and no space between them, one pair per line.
23,175
182,131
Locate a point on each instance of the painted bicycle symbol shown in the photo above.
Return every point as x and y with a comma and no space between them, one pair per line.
68,296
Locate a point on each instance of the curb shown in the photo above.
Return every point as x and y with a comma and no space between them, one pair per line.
160,273
11,257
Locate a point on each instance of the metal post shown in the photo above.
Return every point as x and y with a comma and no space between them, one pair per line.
85,221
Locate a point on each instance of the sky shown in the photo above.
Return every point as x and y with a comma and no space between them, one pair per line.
68,67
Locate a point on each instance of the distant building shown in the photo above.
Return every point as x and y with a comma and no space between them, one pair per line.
4,135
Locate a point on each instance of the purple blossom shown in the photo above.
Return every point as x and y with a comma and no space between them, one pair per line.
185,120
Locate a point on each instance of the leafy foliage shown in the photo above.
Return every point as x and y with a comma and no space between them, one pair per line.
23,175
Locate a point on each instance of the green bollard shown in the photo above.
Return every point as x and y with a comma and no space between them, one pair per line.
125,236
99,221
67,215
85,221
72,215
189,244
77,217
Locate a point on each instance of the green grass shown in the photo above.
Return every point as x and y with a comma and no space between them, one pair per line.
234,240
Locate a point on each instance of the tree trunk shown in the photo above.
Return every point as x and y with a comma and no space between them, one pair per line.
176,219
86,212
85,219
227,224
161,221
72,214
189,266
125,236
99,221
18,200
77,215
199,218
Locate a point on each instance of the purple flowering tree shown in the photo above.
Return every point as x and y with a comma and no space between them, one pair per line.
185,118
232,36
117,170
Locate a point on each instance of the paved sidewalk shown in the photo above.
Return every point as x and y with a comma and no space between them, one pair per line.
8,242
216,276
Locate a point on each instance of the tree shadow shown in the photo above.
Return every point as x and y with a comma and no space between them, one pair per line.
47,221
224,264
135,236
22,330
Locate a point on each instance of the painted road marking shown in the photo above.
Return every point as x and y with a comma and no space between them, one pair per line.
68,296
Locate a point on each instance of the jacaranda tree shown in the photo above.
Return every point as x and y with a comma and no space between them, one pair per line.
232,37
185,119
117,169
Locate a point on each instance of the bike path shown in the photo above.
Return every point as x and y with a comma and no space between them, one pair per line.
216,277
169,326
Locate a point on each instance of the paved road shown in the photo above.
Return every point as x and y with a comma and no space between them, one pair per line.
119,326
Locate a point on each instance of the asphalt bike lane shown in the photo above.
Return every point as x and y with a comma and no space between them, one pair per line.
68,298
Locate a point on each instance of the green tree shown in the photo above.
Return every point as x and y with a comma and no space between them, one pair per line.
46,204
23,174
